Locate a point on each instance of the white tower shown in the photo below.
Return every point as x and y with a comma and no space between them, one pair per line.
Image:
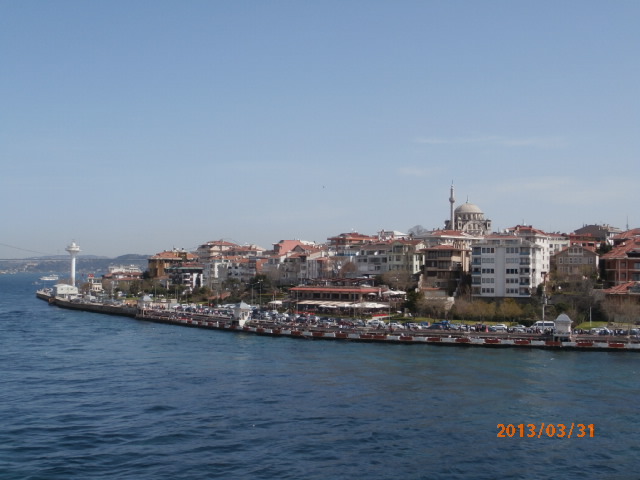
73,250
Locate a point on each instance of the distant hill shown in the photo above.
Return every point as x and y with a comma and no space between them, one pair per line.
61,264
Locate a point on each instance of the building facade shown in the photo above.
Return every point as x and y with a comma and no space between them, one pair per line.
576,260
622,264
444,267
506,266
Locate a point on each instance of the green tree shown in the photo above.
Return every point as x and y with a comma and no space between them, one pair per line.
508,310
135,287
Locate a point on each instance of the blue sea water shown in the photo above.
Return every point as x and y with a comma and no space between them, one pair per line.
87,396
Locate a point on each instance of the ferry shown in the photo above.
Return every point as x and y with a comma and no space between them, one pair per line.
49,278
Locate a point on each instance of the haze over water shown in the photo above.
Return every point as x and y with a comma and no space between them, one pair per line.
90,396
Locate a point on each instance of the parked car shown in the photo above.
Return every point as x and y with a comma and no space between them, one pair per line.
436,326
376,323
498,328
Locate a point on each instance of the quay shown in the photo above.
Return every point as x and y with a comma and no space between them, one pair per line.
352,334
407,337
104,308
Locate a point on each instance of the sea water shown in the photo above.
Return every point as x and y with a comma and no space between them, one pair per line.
89,396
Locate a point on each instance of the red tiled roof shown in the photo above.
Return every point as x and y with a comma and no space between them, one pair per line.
622,250
172,254
336,289
628,234
524,229
622,289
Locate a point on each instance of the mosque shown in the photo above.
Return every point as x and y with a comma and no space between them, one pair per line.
467,218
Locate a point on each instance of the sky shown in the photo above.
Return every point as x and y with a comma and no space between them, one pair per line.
140,126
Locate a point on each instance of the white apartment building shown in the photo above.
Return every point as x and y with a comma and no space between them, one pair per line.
549,242
507,266
237,268
557,243
215,271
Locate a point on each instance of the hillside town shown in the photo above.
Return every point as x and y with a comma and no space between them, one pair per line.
463,269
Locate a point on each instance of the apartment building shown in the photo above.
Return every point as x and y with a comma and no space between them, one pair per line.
444,266
576,260
599,233
622,263
189,274
540,238
284,264
160,262
213,249
390,256
506,265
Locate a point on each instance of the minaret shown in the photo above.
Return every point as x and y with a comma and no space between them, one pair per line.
73,250
452,201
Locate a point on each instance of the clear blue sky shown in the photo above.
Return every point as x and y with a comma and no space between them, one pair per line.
137,126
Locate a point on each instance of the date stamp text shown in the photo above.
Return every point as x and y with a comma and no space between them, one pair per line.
550,430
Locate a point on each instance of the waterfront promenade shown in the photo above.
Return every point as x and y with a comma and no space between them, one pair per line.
385,335
217,321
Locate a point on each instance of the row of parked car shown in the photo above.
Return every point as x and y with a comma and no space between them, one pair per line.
315,320
634,332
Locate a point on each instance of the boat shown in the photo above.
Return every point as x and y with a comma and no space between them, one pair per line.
49,278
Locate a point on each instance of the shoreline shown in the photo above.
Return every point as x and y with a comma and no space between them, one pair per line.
369,335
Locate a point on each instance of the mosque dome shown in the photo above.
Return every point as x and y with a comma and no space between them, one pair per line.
468,208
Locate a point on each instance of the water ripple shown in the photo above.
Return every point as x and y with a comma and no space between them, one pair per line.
86,396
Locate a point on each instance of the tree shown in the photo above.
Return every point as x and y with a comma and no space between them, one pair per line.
417,230
135,287
474,310
347,268
398,280
509,310
621,310
484,310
